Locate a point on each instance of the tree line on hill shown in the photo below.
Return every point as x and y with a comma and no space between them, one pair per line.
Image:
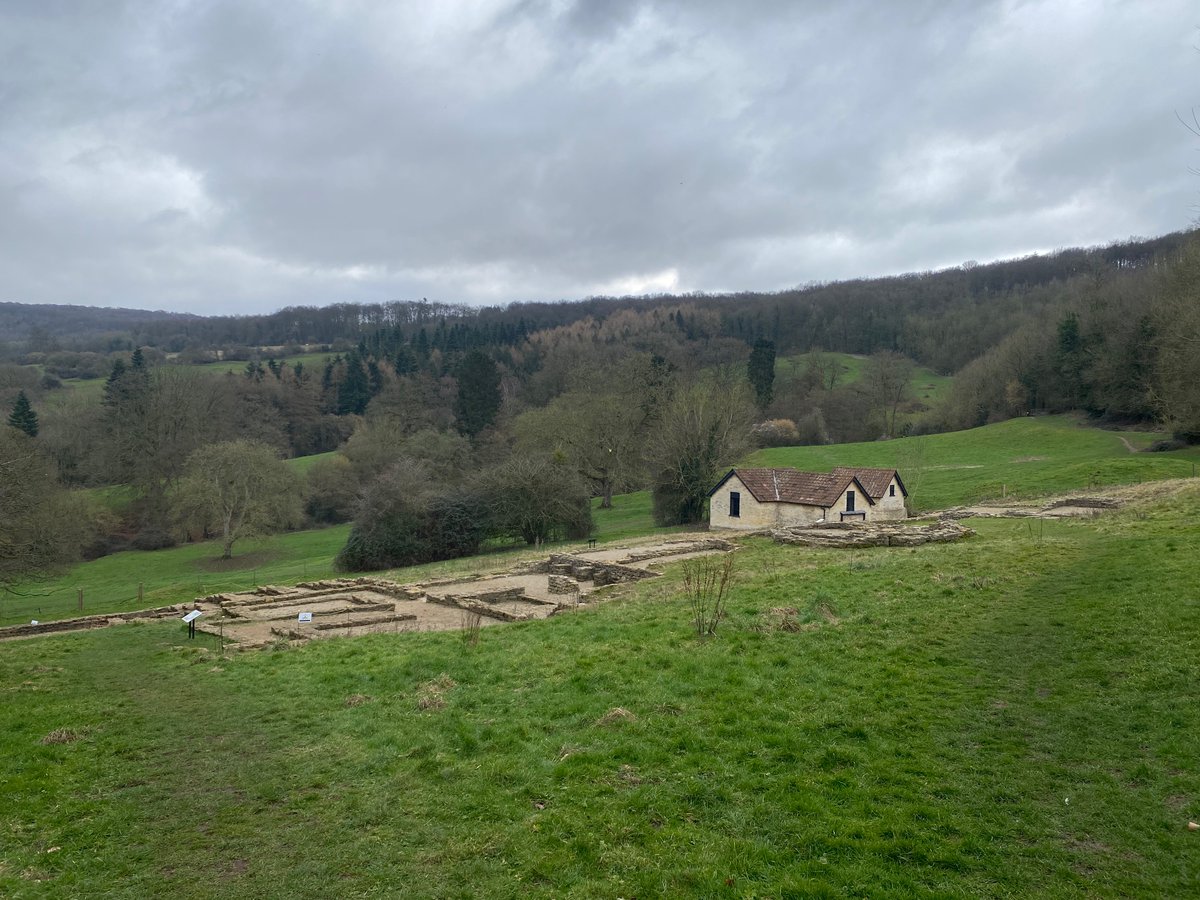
455,427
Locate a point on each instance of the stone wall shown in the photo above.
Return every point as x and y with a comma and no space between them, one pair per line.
600,573
837,534
562,584
751,513
81,623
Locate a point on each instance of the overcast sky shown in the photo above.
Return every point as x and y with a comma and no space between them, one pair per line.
243,156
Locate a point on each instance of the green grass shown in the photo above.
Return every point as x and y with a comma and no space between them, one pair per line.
1019,458
795,365
113,497
93,388
179,574
632,515
927,385
1009,716
1022,458
313,362
110,584
302,464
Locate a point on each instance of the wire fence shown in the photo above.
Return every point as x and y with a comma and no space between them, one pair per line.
47,603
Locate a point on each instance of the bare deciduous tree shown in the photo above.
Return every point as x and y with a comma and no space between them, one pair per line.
237,488
886,384
41,525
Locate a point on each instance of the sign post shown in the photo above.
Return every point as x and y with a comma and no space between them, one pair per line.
191,618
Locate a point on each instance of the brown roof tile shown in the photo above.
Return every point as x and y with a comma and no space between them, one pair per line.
794,486
875,481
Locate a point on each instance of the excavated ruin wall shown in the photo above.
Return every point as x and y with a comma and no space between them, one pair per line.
98,621
845,535
601,573
562,584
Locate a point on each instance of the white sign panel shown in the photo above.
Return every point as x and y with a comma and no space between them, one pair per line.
33,621
192,616
305,617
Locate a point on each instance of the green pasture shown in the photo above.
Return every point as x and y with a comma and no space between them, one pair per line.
794,365
313,362
927,386
1024,457
179,574
110,583
1010,716
301,464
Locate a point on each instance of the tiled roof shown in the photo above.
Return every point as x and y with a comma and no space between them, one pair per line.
875,481
794,486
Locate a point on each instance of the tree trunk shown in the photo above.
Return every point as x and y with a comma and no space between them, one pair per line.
228,537
606,499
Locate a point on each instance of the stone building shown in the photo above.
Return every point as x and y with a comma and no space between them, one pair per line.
774,498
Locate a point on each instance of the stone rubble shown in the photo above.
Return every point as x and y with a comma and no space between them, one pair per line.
873,534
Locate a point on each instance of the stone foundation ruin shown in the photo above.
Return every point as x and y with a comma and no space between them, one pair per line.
355,606
875,534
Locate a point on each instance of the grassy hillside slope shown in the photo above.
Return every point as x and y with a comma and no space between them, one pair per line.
1009,716
1022,457
110,584
926,385
1018,458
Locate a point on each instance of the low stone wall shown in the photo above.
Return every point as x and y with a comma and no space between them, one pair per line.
562,584
378,585
370,620
601,573
349,609
82,623
837,534
674,548
474,604
1086,503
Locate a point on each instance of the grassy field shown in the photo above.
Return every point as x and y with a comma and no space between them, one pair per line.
926,386
314,362
1018,458
302,464
110,584
94,387
1021,458
1013,716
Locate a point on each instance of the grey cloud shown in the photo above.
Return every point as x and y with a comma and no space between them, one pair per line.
238,156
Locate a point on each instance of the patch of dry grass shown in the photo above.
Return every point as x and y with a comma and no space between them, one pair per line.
62,736
432,694
616,716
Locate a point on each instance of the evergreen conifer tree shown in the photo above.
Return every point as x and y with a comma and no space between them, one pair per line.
22,417
354,391
761,371
479,396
